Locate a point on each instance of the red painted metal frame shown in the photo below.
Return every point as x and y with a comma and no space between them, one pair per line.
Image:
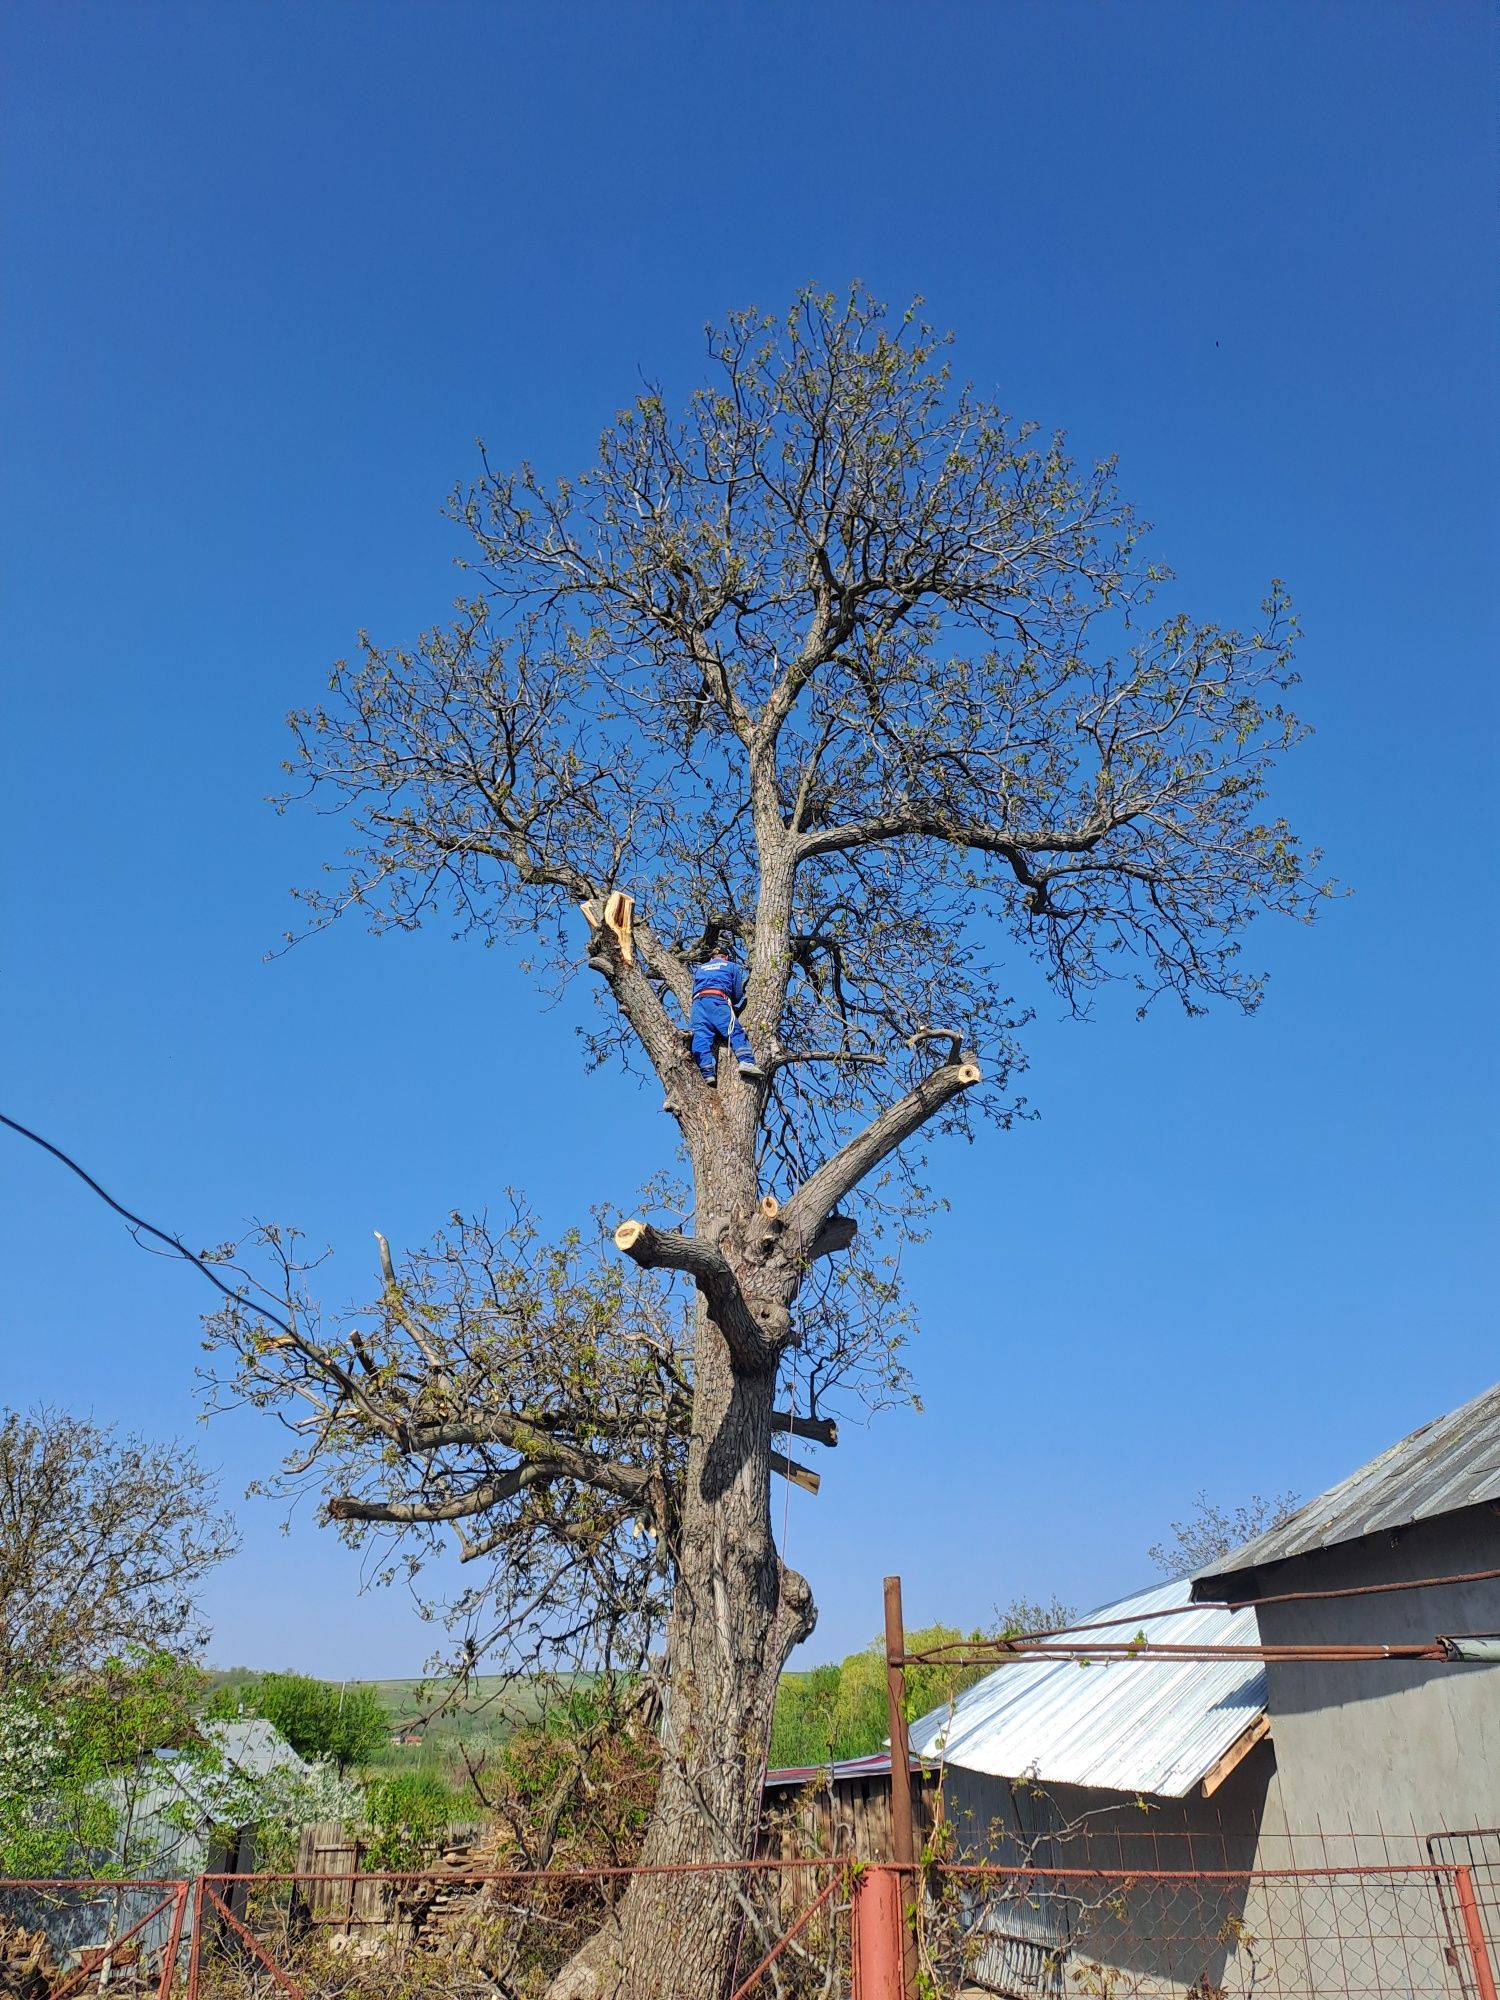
807,1915
175,1899
1479,1951
283,1978
876,1957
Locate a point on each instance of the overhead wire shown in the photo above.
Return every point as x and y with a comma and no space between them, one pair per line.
173,1243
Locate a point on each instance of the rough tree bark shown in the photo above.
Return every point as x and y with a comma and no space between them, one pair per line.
738,1609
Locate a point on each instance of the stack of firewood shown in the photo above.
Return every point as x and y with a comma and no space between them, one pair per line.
28,1971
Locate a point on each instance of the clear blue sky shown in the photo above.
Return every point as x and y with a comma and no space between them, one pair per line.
269,270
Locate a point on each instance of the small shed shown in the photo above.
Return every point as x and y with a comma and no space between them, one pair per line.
164,1832
1380,1756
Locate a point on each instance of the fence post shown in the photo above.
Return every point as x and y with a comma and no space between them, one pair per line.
903,1843
174,1941
903,1850
195,1942
1479,1951
879,1935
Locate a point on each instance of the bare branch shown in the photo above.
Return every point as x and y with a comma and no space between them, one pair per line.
815,1200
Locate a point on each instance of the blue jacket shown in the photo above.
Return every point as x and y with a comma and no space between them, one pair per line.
721,975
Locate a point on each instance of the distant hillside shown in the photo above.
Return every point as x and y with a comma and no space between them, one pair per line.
492,1707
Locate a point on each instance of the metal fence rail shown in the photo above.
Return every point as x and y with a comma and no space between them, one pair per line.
838,1929
1355,1934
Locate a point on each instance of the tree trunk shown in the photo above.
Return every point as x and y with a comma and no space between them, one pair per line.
737,1612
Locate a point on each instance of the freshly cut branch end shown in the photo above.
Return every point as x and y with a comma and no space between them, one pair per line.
629,1234
619,912
799,1475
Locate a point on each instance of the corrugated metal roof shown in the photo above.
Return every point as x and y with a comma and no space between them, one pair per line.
877,1764
1128,1725
1452,1462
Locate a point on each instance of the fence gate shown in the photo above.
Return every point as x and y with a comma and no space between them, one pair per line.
1478,1852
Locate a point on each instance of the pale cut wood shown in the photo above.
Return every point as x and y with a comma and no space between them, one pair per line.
1237,1752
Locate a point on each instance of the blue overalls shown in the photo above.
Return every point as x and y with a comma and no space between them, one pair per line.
718,994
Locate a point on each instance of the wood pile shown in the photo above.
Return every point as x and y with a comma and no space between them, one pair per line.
439,1912
28,1971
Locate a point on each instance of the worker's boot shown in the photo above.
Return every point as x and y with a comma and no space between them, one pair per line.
754,1071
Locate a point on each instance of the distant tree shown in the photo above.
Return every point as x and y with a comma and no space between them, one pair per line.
104,1541
76,1758
1025,1614
803,1725
844,661
320,1719
1211,1531
840,1711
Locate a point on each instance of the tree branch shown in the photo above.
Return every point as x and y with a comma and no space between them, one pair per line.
821,1430
751,1332
799,1475
812,1204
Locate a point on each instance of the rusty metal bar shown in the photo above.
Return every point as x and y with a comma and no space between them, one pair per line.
994,1651
195,1948
1255,1603
1479,1951
174,1943
903,1845
1090,1871
786,1937
283,1978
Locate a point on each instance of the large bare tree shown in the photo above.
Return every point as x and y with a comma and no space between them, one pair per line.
845,661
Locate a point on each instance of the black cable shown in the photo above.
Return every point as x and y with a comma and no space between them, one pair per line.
138,1222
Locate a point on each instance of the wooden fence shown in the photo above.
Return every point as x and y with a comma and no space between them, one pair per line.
354,1903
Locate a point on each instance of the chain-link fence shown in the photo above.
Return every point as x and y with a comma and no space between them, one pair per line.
830,1929
507,1936
1357,1934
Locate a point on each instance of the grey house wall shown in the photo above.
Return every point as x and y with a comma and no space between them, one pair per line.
1386,1745
1049,1936
1372,1757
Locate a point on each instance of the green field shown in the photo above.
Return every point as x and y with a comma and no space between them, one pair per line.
490,1709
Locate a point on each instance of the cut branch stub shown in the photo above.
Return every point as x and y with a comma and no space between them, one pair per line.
619,911
799,1475
821,1430
630,1234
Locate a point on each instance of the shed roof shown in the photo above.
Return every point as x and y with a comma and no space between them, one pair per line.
1452,1462
1137,1725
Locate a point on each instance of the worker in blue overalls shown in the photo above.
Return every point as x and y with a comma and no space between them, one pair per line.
718,995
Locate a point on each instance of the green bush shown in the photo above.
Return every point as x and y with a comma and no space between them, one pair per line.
346,1725
408,1816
